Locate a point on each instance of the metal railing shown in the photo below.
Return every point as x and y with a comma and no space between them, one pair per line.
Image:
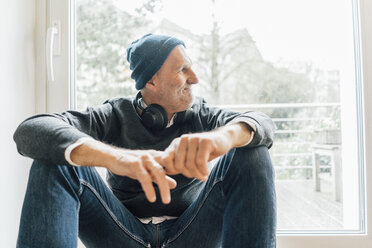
293,152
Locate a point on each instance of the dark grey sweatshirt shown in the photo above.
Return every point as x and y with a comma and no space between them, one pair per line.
45,138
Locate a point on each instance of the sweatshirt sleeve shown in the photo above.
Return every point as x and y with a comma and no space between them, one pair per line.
45,137
213,117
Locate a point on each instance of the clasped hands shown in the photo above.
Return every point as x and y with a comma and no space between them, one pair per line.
188,155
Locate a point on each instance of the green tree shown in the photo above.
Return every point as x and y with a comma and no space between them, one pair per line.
103,32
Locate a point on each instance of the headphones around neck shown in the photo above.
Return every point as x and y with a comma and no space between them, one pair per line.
155,117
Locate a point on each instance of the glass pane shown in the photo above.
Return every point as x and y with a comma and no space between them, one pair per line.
292,60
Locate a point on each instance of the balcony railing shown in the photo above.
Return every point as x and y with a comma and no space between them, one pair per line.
297,124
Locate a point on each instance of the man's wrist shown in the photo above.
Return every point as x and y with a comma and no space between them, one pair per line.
240,134
71,147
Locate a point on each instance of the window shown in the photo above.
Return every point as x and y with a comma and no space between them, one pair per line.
299,62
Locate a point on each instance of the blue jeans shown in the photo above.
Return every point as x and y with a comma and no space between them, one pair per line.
236,208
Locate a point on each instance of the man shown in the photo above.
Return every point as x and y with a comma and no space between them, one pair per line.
156,148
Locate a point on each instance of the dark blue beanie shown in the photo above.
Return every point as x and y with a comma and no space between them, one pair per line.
147,54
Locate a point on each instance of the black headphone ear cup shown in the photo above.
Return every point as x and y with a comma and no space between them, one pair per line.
154,117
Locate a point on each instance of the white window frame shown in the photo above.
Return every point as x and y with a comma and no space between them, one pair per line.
55,96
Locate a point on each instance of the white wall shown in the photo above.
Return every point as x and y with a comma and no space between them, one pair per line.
17,101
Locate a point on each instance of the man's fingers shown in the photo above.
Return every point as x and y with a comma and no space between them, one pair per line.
191,159
191,153
168,163
159,177
171,182
180,155
146,182
203,155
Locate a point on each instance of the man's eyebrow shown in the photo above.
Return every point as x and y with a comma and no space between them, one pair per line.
186,64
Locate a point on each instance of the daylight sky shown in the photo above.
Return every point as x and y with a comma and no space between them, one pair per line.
316,31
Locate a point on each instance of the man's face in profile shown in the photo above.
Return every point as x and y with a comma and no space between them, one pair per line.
175,79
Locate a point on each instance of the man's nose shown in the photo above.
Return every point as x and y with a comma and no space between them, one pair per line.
192,79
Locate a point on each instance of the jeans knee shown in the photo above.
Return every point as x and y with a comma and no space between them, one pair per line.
44,174
40,169
249,173
253,162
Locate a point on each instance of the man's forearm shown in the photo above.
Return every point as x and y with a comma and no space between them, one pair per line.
94,153
239,133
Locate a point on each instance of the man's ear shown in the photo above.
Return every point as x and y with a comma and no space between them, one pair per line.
152,84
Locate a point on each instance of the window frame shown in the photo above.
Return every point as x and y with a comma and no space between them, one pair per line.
56,97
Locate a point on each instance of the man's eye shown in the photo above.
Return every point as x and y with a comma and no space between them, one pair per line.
183,69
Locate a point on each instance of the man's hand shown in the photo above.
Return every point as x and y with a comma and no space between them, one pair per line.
136,164
141,166
189,154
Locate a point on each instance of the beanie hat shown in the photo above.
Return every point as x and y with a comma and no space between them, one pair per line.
147,54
